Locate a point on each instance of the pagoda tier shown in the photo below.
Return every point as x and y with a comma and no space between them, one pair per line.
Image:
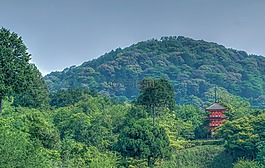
216,107
216,116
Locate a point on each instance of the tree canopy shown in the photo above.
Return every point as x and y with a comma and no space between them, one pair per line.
156,94
16,73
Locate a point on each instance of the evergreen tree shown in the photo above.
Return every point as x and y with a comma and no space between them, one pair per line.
37,95
15,69
156,94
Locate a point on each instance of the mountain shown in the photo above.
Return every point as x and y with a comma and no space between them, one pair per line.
192,66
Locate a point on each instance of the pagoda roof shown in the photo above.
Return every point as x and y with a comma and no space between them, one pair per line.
216,106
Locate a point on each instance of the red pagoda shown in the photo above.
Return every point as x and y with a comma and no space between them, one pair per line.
216,115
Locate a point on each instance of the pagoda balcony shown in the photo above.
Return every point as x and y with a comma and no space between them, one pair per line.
217,118
215,124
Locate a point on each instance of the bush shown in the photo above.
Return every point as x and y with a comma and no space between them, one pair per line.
200,157
247,164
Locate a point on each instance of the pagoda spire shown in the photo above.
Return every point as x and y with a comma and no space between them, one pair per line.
215,94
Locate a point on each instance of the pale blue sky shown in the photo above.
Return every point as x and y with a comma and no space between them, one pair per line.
61,33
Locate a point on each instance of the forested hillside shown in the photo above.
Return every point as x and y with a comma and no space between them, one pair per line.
192,66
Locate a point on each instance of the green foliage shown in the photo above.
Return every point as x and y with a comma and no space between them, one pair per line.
76,154
86,133
261,152
135,113
247,164
93,121
176,128
200,131
156,94
244,136
36,95
186,122
74,125
63,98
27,139
76,139
17,150
140,139
190,113
200,157
39,128
16,73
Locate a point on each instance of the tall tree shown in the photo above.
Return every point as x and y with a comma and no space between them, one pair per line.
38,93
156,93
15,69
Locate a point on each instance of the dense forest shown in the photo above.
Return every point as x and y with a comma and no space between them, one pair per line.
80,122
192,66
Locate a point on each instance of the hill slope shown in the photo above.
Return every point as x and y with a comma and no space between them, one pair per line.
193,66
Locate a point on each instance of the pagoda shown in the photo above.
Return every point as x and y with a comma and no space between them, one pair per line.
216,116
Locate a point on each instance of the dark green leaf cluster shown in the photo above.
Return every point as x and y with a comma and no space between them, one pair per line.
37,94
156,94
142,140
245,136
67,97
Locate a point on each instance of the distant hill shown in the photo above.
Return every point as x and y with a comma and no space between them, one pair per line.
192,66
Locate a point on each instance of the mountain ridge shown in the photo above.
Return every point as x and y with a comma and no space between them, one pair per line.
192,66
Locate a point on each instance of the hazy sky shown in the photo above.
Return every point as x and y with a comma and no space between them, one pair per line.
61,33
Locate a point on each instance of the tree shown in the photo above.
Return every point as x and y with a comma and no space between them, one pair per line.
27,139
139,139
190,113
244,136
78,155
246,164
72,124
240,136
156,93
37,94
67,97
15,69
39,127
261,152
17,150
